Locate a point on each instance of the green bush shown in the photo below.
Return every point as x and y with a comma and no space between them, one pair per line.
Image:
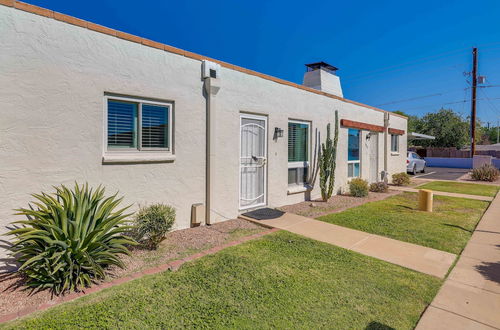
401,179
487,172
69,238
152,223
358,187
380,187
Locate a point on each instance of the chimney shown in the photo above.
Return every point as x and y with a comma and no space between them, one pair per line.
321,76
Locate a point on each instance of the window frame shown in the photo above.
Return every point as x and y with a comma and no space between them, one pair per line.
354,161
397,144
300,164
139,149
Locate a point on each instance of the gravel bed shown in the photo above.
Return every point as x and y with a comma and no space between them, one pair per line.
335,204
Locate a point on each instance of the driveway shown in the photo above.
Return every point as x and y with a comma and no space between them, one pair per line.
442,173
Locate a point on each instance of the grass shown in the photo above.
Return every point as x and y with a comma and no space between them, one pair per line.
279,281
448,228
462,188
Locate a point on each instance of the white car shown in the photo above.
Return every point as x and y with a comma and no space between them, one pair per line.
414,163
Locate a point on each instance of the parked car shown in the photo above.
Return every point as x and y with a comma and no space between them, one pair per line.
414,163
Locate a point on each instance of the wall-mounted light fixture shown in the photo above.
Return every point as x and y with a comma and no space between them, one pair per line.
368,136
278,132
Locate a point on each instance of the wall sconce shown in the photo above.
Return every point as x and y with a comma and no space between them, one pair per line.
278,132
368,136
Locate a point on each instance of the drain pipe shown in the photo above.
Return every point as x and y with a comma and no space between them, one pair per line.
386,149
210,74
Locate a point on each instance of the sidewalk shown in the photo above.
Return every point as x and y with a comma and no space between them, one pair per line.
470,296
412,256
442,193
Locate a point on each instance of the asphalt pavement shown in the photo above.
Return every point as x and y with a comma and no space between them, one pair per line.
442,173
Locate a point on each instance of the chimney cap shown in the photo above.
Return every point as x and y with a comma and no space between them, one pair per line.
321,65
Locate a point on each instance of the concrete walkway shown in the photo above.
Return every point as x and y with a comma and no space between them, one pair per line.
470,296
442,193
412,256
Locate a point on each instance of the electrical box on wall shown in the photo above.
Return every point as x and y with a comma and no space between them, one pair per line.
210,69
197,214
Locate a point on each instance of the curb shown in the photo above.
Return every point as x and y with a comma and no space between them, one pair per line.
172,266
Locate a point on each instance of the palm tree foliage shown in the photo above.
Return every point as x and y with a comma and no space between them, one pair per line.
70,237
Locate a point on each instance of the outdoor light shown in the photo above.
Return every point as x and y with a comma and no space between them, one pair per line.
278,132
368,136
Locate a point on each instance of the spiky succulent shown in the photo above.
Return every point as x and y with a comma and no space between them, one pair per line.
70,237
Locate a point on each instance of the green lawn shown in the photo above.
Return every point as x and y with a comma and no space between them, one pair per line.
279,281
462,188
448,228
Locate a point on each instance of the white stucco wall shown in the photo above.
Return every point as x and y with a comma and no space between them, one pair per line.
52,81
53,77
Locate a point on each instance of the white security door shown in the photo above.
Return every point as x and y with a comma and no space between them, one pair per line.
374,157
253,161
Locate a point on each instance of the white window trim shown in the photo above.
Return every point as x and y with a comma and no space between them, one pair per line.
139,154
395,152
303,186
353,162
360,155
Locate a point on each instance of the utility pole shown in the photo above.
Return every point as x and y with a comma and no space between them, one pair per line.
498,131
473,103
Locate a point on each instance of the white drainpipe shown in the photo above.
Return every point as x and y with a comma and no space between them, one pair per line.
211,87
386,144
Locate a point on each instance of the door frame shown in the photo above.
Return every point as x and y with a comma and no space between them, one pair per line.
257,117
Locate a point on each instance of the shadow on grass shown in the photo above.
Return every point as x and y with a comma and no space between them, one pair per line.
459,227
374,325
406,207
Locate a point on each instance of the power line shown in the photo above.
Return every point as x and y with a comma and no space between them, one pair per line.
418,97
406,64
431,95
446,103
492,106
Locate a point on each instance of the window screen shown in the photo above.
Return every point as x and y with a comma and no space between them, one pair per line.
394,143
154,126
127,121
298,136
298,152
122,124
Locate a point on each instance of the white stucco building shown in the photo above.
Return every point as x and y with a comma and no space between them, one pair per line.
81,102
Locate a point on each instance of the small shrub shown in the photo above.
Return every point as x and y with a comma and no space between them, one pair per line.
401,179
487,172
69,238
380,187
358,187
152,223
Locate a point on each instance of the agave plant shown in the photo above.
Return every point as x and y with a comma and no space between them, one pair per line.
70,237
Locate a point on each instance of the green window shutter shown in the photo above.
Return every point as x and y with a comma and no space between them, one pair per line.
297,142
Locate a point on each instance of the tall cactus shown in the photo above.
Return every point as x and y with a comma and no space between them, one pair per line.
328,161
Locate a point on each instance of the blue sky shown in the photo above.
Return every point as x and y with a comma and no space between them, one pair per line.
387,51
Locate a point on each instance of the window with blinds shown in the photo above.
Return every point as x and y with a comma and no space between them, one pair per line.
298,152
154,126
122,124
138,125
298,136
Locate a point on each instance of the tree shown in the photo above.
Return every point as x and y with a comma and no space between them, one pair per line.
414,123
449,128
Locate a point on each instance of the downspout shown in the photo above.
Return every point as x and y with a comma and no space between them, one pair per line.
386,149
211,87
